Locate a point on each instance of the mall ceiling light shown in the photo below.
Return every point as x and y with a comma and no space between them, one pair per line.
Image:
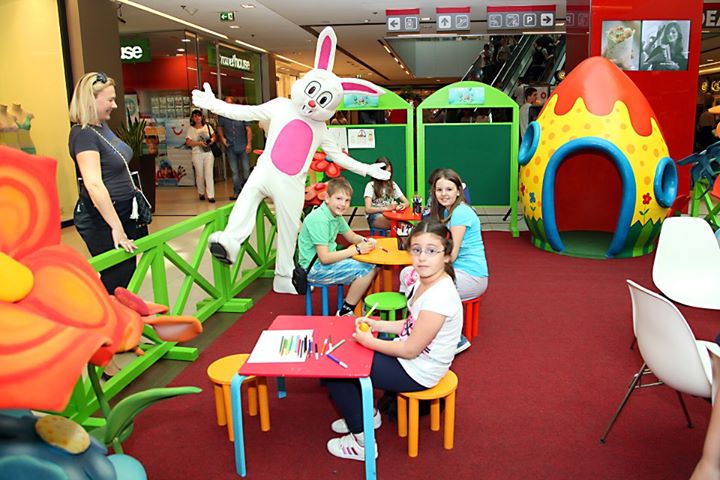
170,17
293,61
191,25
247,5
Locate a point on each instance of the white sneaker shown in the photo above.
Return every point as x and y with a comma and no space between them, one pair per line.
348,447
339,425
462,345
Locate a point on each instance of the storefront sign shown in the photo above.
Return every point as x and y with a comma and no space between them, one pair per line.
403,20
453,18
520,17
711,15
230,59
134,50
227,16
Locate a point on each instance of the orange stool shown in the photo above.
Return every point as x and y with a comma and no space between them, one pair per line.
446,389
221,372
471,317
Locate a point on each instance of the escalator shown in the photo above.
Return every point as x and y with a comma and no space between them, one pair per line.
518,65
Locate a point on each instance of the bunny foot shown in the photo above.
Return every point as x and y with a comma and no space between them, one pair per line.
222,249
283,285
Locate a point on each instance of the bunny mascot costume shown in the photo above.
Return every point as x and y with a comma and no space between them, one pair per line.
296,127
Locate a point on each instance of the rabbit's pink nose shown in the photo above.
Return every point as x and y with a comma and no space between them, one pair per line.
312,103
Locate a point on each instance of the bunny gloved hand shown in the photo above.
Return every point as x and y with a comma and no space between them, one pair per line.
206,98
377,170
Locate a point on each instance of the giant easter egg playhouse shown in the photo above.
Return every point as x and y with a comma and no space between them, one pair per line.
596,179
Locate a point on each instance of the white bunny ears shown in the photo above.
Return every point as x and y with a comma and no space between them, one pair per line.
325,59
325,50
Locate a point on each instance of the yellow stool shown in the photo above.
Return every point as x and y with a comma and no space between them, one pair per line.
445,389
221,372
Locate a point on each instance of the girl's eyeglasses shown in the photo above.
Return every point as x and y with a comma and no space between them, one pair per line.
430,251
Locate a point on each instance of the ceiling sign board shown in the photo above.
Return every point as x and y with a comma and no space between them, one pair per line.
453,18
403,20
520,17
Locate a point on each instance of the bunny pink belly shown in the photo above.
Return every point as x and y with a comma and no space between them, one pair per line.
292,147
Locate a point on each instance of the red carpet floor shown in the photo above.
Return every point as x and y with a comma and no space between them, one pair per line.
537,389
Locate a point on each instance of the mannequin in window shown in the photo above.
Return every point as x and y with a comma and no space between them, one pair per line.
21,120
6,120
8,129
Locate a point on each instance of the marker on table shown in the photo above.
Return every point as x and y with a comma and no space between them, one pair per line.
316,352
336,346
338,361
367,315
324,346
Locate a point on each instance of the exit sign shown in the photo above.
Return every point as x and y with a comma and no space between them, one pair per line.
227,16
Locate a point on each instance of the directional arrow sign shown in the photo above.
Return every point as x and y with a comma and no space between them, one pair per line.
393,24
547,19
444,22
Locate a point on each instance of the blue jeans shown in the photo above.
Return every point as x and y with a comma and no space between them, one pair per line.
240,167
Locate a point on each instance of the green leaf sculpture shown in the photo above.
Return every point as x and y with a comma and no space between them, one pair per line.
119,422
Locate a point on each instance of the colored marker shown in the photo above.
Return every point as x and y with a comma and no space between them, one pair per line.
316,352
339,362
282,344
324,346
336,346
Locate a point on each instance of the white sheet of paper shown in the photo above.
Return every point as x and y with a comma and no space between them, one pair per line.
339,136
361,138
268,347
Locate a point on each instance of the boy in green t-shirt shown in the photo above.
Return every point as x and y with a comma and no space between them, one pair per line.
317,237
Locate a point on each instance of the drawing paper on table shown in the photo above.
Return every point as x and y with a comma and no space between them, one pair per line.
277,346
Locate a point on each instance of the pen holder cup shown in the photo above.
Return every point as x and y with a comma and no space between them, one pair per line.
402,242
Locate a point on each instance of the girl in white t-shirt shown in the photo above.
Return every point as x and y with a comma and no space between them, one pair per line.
199,136
383,196
425,345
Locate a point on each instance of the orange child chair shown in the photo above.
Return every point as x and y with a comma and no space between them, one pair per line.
445,389
221,372
471,317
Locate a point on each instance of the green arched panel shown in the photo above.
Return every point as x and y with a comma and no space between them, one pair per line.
484,154
394,141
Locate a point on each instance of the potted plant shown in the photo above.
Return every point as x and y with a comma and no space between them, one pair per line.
134,135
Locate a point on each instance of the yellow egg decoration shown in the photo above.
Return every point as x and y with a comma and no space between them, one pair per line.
596,179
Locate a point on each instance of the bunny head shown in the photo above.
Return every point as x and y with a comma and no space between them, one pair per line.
318,94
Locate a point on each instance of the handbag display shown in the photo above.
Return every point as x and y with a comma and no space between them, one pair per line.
299,277
215,146
141,209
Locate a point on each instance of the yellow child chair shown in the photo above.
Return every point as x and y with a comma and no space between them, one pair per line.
221,372
446,389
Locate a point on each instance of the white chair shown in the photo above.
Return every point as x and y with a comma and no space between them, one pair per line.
687,263
669,350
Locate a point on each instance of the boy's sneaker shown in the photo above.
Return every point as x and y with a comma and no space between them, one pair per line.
462,345
346,314
339,425
348,447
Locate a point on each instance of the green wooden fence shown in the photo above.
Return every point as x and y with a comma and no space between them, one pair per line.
155,255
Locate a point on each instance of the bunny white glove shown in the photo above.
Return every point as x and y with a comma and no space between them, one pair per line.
205,98
377,170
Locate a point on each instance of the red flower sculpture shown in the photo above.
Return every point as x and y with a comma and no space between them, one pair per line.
55,315
321,163
315,194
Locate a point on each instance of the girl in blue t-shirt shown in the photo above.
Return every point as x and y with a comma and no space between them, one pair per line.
468,255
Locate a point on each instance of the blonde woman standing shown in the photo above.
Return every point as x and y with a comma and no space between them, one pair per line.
200,136
106,192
